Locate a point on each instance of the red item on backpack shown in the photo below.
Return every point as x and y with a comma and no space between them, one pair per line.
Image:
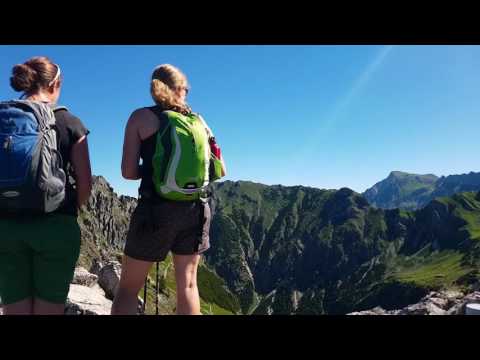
215,148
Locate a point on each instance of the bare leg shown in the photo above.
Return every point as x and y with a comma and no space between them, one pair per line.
132,279
188,300
42,307
23,307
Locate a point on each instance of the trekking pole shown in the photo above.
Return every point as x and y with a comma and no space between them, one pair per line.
145,295
156,293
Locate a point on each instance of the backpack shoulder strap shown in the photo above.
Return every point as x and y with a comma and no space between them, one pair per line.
162,117
209,131
42,111
56,108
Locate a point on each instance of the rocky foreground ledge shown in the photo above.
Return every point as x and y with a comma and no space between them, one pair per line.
91,293
435,303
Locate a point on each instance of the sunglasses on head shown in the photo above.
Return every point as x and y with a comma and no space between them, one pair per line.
57,75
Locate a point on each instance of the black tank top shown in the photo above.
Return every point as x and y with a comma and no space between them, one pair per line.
147,150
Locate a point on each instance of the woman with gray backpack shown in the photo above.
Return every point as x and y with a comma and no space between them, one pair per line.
45,177
179,158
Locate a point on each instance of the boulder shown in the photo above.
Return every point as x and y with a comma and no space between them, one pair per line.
84,300
83,277
109,278
96,266
456,309
473,298
433,309
439,302
415,309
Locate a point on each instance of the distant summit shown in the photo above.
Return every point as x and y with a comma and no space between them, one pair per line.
413,191
402,190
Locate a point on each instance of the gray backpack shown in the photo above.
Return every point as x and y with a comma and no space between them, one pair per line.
31,174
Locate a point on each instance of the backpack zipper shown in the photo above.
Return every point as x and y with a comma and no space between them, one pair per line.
194,144
192,131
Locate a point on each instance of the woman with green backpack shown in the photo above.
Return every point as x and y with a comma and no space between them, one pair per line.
179,159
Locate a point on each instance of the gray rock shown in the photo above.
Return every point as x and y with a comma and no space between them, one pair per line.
96,266
439,302
453,294
84,300
456,309
415,309
459,307
433,309
375,311
105,219
473,297
83,277
109,277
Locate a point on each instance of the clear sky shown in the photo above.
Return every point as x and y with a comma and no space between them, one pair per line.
321,116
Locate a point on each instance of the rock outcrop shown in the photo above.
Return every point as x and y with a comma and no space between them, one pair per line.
435,303
91,294
104,222
86,296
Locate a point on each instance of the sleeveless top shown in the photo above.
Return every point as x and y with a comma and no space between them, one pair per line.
147,150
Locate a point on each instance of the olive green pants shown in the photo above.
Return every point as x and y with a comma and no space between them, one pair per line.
38,257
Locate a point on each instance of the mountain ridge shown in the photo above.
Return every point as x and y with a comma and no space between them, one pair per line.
302,250
413,191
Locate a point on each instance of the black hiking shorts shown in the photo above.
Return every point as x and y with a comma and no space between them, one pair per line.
157,227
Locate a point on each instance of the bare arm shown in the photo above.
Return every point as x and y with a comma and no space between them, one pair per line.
81,164
131,148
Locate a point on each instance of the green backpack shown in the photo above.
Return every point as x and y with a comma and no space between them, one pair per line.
184,163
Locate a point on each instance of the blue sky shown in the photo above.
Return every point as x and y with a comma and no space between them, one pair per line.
321,116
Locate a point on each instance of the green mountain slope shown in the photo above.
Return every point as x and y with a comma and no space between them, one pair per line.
301,250
305,250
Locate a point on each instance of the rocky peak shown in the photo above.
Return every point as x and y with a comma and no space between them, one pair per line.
104,222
